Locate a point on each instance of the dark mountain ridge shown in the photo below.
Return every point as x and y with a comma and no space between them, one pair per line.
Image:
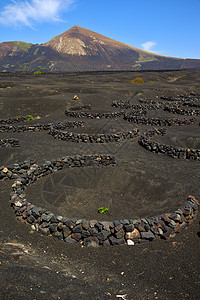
80,49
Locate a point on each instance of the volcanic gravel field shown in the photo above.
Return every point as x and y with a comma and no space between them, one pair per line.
141,185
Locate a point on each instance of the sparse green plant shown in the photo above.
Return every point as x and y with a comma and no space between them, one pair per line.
31,118
22,45
38,72
103,210
181,77
36,52
8,87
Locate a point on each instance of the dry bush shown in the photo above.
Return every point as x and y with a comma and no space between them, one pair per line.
137,80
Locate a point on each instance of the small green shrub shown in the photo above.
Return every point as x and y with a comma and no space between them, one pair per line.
103,210
38,72
31,118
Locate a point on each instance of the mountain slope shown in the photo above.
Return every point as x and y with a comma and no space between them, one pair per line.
79,49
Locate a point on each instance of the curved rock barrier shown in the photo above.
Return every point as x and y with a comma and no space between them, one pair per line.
87,106
191,104
95,138
93,232
173,99
138,109
89,232
172,151
13,171
192,100
41,127
13,120
9,143
147,104
187,100
131,117
151,104
74,114
177,109
121,104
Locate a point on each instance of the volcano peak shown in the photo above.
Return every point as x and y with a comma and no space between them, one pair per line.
80,49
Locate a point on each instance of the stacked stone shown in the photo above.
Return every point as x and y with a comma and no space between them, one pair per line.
68,124
177,109
193,100
170,98
138,109
87,106
147,104
121,104
151,104
40,127
132,117
74,114
191,104
13,120
13,171
95,138
9,143
154,132
89,232
190,99
172,151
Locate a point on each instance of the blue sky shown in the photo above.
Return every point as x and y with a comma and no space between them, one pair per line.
167,27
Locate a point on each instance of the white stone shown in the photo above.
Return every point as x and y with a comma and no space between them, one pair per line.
130,243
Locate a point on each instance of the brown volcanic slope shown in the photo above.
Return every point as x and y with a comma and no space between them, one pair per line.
79,49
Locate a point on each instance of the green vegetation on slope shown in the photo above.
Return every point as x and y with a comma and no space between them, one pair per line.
143,57
22,45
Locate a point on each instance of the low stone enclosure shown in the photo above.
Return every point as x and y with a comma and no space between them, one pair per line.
87,115
9,143
93,232
40,127
13,120
172,151
177,109
88,232
95,138
131,117
147,104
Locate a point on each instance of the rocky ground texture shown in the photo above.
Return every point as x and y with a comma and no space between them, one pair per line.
106,166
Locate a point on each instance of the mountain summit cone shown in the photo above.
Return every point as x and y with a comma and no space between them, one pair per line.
80,49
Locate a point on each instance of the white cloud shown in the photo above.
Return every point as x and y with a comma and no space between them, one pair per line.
148,45
28,12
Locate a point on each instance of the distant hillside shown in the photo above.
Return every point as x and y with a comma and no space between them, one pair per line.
79,49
